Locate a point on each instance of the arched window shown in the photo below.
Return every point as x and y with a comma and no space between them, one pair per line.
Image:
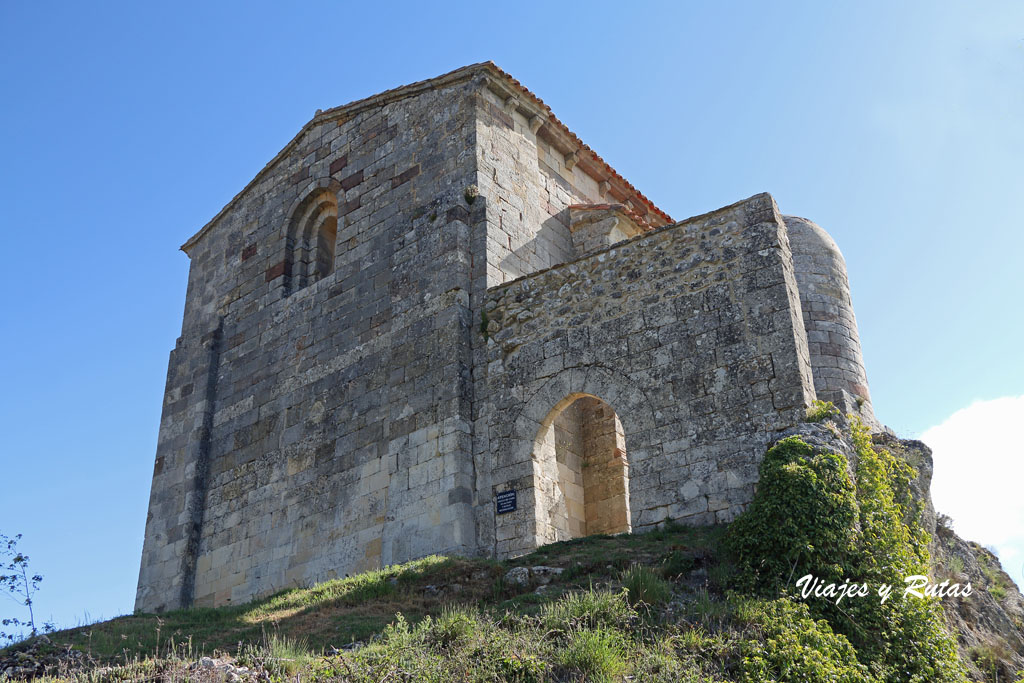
583,476
312,235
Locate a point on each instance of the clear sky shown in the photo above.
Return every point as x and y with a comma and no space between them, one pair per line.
124,127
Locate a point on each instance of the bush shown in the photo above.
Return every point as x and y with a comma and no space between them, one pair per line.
452,627
588,609
801,521
643,585
808,518
521,668
795,647
821,410
598,655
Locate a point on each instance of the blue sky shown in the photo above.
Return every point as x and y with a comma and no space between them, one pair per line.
126,126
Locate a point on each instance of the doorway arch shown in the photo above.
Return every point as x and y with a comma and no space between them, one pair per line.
582,472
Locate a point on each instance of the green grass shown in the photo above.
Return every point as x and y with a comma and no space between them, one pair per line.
597,655
650,607
340,611
588,609
332,613
278,655
645,586
709,609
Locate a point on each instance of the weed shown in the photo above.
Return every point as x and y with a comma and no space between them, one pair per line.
821,410
707,610
454,625
644,586
678,563
720,575
989,658
998,581
598,655
277,654
588,609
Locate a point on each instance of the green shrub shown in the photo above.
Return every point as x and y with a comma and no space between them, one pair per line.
917,648
588,609
521,668
808,517
795,647
453,626
599,655
821,410
801,521
892,544
905,637
643,585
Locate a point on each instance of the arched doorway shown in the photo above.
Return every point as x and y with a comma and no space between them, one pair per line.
582,475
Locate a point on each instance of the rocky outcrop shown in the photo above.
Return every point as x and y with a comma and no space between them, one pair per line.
38,656
989,624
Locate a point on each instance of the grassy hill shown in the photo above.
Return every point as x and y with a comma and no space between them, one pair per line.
637,595
676,604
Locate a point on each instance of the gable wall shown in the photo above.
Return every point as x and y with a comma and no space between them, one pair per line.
324,432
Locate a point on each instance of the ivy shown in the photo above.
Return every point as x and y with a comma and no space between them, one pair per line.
810,516
795,647
801,521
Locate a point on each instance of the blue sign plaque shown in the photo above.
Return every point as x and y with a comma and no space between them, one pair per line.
506,501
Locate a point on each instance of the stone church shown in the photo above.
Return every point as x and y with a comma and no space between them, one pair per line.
438,322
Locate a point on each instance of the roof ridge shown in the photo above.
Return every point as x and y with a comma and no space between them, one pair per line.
407,90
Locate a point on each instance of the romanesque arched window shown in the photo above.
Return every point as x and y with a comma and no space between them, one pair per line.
312,234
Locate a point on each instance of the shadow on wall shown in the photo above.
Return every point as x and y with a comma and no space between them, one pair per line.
550,246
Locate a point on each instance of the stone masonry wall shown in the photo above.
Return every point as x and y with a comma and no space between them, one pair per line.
528,190
692,334
832,337
583,472
526,186
326,431
606,475
327,416
567,433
